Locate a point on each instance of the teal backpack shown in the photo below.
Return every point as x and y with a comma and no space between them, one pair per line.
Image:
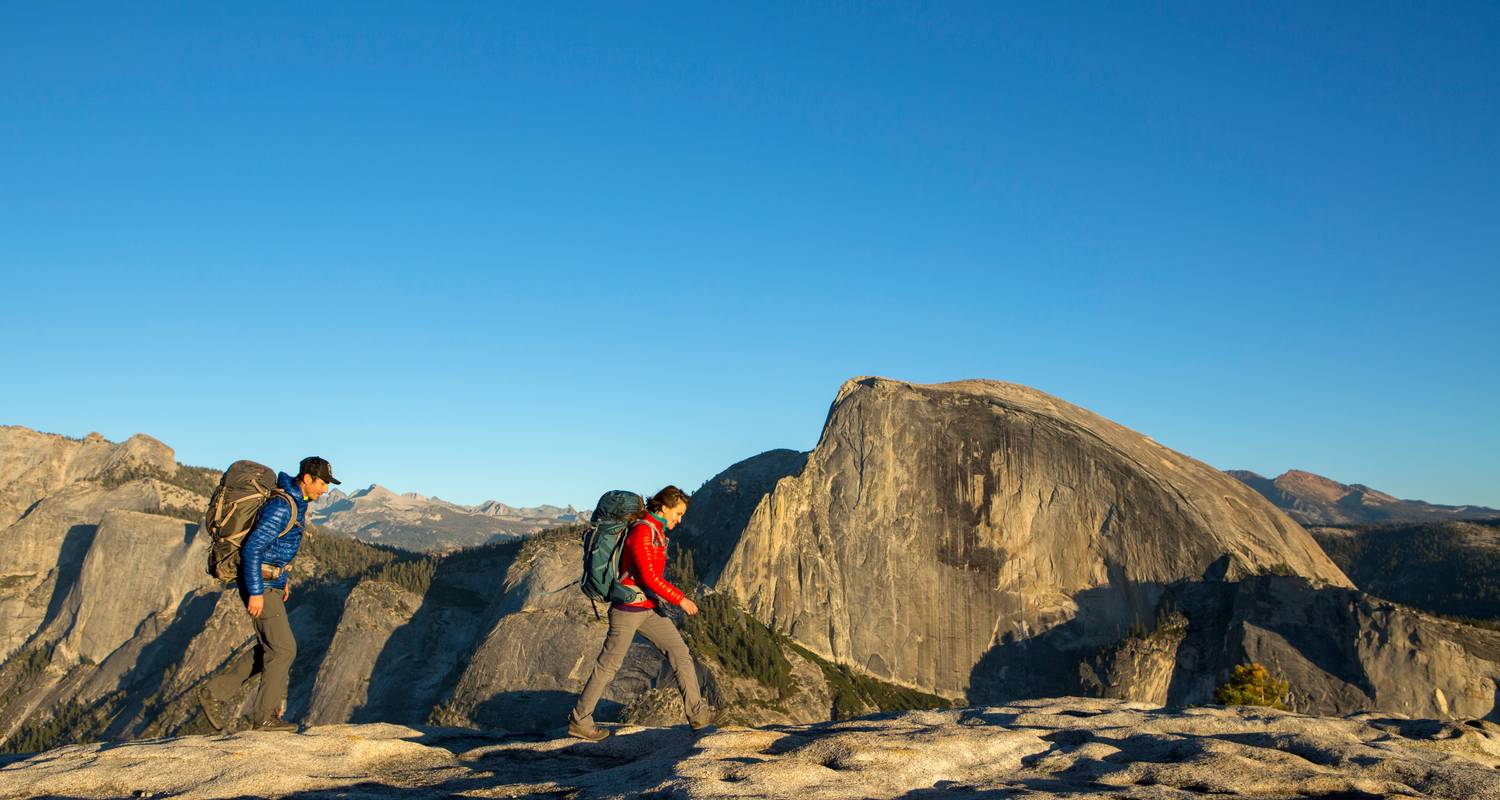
604,542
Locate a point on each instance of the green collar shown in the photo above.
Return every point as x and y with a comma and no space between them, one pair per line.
658,518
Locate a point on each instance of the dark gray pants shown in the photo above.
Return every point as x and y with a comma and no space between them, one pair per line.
659,630
271,659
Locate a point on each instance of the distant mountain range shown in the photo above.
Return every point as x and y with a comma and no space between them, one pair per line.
431,524
1315,500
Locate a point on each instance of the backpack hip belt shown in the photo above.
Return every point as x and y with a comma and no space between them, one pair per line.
270,573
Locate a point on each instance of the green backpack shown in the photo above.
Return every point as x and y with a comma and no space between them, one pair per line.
604,542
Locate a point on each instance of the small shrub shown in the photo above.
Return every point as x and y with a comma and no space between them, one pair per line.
1252,685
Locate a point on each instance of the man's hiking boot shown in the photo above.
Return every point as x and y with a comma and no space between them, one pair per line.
275,724
213,708
708,721
590,733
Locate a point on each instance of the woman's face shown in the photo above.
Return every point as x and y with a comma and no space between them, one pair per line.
673,514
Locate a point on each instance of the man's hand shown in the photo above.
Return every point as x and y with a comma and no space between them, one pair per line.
255,605
689,606
286,593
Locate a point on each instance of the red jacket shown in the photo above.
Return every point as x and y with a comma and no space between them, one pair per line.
644,561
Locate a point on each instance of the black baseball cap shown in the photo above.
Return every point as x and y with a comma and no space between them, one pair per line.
318,468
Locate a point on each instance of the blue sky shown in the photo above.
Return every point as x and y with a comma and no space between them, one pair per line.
531,252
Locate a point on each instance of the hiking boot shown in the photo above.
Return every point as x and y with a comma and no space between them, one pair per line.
213,708
588,734
710,719
275,724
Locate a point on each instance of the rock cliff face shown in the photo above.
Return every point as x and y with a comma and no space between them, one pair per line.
137,565
54,494
372,613
934,525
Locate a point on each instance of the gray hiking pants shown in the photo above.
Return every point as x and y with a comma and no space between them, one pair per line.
271,659
659,630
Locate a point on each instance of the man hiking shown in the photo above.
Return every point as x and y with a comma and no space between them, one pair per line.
642,563
264,586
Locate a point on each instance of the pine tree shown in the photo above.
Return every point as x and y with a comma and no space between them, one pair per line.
1252,685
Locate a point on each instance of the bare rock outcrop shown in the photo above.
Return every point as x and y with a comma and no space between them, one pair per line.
1139,667
1066,747
934,527
371,614
721,508
42,554
1341,650
34,465
54,492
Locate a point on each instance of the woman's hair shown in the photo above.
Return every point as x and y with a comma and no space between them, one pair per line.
666,498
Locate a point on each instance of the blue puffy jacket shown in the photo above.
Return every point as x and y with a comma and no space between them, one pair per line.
263,547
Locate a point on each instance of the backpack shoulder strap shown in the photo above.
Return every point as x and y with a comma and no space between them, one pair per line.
291,520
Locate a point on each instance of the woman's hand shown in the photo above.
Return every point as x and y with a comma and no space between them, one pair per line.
689,606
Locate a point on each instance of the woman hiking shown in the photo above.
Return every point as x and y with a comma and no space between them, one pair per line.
641,566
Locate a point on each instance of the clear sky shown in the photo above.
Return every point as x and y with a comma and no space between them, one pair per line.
533,251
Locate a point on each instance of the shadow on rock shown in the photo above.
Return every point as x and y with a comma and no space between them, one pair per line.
422,660
627,764
75,546
1047,664
536,711
145,678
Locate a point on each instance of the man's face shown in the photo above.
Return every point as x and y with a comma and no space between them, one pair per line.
673,514
313,488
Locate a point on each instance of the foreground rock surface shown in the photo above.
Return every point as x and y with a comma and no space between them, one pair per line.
1042,748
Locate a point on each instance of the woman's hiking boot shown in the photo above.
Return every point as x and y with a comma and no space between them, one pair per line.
588,733
275,724
707,721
